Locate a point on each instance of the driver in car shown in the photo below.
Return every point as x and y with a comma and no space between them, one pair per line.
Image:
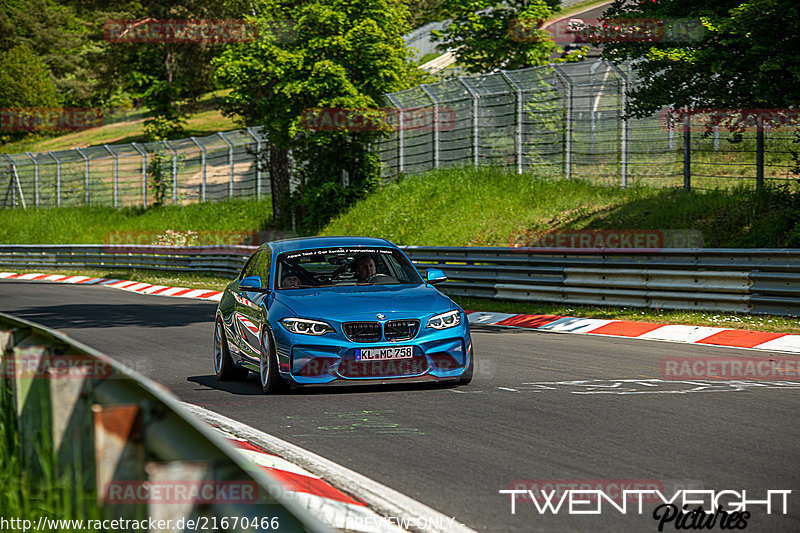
364,267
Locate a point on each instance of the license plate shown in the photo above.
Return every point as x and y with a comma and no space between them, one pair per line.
390,353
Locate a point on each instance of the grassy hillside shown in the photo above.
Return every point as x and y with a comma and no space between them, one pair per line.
486,207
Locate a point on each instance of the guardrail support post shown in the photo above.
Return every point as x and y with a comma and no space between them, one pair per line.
257,139
230,162
144,174
85,171
116,174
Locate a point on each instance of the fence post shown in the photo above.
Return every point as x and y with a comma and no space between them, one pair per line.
35,178
174,172
475,131
518,126
568,126
230,162
623,149
256,138
15,181
401,137
203,167
86,171
687,151
144,174
58,177
116,174
435,101
759,153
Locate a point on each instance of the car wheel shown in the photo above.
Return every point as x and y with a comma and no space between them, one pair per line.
268,375
466,377
224,367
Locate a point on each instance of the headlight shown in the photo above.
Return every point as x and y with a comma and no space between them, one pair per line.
305,326
446,320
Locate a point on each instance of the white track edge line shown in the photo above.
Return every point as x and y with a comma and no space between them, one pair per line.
378,497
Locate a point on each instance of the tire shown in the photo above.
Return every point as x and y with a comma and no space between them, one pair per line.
224,367
466,377
268,375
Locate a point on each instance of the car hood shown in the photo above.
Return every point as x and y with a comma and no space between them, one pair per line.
364,302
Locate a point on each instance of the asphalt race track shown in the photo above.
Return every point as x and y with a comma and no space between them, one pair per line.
455,448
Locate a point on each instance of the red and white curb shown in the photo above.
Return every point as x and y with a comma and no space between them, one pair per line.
376,509
736,338
124,284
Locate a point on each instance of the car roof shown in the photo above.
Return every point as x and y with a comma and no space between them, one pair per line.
304,243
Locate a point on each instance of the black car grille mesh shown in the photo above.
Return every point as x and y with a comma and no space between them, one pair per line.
362,331
400,330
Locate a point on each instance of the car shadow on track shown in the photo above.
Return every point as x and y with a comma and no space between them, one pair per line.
107,315
250,387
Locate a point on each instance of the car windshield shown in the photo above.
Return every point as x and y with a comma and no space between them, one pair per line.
327,267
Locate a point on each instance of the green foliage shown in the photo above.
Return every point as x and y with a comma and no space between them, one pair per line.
318,54
743,56
490,34
25,80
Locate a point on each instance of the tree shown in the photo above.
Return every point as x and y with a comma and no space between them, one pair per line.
490,34
317,54
744,55
25,80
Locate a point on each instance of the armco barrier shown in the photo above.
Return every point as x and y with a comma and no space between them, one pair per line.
720,279
119,434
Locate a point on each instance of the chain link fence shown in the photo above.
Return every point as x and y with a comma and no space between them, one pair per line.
568,120
224,165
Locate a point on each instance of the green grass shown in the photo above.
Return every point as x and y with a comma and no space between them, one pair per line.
93,225
127,125
488,207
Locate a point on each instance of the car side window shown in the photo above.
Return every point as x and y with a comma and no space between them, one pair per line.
259,266
246,268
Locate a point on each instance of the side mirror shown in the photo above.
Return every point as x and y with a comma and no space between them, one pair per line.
252,283
434,275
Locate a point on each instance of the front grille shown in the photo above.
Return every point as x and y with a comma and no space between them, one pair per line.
401,330
362,331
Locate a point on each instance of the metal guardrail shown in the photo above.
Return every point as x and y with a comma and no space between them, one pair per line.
122,436
721,279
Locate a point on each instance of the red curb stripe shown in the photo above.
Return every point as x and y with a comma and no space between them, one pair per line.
181,293
143,288
317,487
40,276
528,321
161,290
626,329
208,294
85,281
244,445
59,278
15,276
740,338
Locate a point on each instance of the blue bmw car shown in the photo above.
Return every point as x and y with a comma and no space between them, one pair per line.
339,310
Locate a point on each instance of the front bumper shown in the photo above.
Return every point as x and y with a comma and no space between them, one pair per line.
438,355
